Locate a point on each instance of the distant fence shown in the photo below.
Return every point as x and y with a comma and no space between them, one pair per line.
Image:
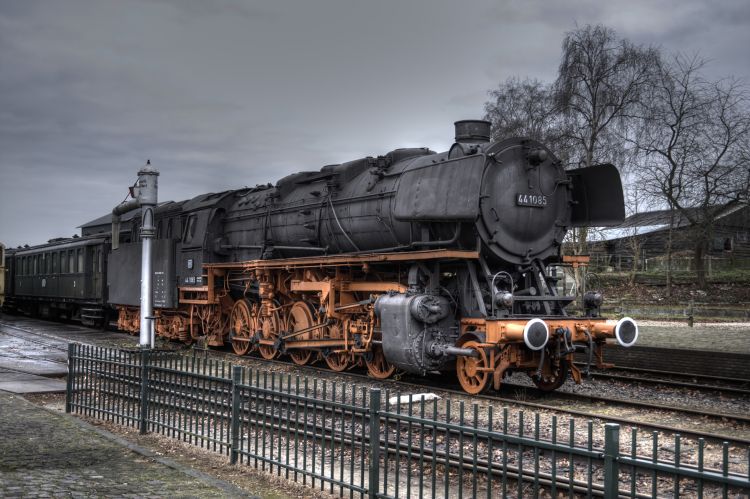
624,263
361,442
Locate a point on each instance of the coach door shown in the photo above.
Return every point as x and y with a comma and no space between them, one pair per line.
96,271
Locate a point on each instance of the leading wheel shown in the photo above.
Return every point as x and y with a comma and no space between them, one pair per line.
473,373
553,375
243,325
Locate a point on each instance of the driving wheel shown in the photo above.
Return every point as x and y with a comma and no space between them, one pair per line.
472,371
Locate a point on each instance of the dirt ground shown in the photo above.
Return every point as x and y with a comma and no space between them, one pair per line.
730,294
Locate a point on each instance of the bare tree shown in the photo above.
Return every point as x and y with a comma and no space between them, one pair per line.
636,200
527,108
694,138
600,81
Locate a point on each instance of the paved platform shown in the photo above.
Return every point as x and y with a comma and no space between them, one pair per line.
23,382
711,337
39,367
46,454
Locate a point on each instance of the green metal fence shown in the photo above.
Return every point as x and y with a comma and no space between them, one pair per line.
357,441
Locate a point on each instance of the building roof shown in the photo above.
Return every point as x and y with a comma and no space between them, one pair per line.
652,221
126,217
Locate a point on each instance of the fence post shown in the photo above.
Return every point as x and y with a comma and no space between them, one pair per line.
235,421
69,381
145,359
611,454
374,413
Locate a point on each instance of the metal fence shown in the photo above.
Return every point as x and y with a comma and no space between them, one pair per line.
358,441
623,262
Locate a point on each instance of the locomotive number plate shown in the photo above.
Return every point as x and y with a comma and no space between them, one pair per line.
535,200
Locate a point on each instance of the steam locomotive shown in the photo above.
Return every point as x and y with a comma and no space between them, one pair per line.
415,261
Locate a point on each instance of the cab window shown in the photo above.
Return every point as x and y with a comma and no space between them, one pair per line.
189,229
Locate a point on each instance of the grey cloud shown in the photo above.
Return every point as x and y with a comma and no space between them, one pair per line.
231,93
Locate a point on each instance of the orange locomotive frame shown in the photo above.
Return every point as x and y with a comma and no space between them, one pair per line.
322,308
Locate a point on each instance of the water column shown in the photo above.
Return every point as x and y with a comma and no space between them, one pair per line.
147,198
144,195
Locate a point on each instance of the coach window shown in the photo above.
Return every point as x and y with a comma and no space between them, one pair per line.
71,261
36,265
80,259
169,229
63,262
55,257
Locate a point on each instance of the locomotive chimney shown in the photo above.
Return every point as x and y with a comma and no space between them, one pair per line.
472,131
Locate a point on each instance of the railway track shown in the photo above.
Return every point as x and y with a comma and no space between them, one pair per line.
714,384
23,333
543,401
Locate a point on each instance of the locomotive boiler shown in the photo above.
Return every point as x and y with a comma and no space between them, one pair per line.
414,261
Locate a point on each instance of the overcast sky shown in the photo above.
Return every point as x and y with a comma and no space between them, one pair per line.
223,94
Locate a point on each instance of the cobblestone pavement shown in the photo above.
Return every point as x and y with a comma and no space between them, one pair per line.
720,337
43,454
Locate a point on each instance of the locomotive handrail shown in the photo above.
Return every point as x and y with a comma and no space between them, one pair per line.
348,259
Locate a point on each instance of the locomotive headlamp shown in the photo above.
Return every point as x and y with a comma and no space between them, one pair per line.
535,334
626,332
537,156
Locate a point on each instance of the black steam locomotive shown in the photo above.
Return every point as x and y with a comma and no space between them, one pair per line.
415,260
